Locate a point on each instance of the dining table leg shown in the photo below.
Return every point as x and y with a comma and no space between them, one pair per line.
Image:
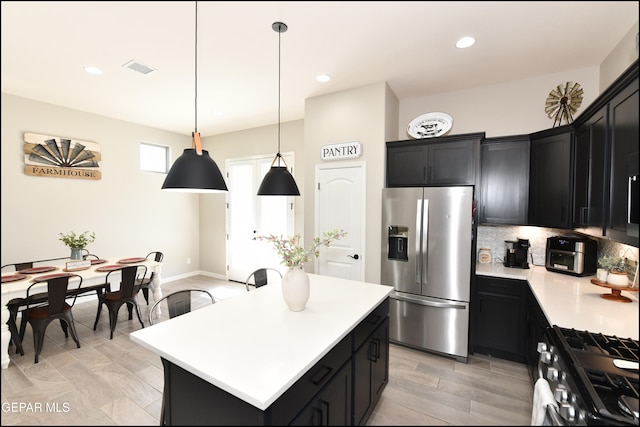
156,282
5,335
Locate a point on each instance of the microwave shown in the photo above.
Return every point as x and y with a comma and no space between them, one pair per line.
574,255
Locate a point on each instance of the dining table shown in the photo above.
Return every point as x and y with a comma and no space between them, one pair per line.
16,283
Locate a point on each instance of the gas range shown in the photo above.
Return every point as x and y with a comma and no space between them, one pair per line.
594,377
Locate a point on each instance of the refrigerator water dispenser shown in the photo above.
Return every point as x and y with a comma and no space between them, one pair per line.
398,242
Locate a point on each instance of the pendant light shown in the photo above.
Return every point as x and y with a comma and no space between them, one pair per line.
195,171
278,181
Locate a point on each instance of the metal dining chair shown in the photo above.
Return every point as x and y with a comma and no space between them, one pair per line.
126,294
57,305
179,303
260,277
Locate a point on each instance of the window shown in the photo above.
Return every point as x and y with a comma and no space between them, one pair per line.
154,158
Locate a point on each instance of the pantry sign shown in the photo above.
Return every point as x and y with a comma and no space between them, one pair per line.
343,150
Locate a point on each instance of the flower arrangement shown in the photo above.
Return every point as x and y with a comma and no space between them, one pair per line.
73,240
612,263
293,254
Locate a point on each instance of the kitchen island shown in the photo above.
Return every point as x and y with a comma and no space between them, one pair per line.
249,360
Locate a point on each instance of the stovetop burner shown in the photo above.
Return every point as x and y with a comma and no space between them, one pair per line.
599,343
609,392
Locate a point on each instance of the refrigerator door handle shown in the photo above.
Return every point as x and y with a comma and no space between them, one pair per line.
429,303
424,231
419,241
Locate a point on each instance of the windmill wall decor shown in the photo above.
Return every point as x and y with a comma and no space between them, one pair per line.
59,157
563,102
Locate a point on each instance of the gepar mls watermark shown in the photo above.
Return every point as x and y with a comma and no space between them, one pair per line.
36,407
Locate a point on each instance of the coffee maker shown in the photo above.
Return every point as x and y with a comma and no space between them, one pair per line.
516,253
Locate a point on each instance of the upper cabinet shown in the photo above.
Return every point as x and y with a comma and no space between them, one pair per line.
550,178
448,160
504,180
606,163
624,190
590,194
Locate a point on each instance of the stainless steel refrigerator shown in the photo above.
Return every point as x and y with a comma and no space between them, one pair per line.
427,246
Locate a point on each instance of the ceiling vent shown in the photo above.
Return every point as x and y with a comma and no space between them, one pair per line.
139,67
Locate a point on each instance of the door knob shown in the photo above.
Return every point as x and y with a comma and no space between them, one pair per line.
356,256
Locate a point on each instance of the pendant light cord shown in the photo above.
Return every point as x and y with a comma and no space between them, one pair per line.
279,79
196,71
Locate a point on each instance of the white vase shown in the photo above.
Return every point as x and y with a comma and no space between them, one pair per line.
295,288
617,279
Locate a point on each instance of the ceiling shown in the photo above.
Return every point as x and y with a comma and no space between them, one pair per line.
410,45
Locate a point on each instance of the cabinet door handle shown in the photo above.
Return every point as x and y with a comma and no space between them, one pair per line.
321,375
373,351
325,411
317,417
374,319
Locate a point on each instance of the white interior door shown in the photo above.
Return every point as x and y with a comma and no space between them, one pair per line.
340,203
250,216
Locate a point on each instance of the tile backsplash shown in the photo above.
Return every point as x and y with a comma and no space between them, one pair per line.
494,236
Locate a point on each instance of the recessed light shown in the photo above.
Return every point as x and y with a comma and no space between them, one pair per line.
93,70
465,42
323,78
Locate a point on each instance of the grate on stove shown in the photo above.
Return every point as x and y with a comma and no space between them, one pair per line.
625,348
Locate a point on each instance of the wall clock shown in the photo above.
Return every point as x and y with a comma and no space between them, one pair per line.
563,102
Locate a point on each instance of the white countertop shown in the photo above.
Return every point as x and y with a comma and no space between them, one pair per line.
252,346
574,302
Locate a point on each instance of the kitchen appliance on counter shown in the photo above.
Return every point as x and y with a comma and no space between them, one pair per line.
574,255
593,377
427,246
516,253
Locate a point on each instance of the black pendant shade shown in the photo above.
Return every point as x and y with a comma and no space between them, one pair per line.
278,182
193,173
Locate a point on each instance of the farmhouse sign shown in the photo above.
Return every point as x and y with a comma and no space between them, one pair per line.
59,157
343,150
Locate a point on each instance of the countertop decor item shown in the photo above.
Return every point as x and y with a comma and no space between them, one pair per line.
563,102
195,171
278,181
295,288
615,294
294,254
77,242
616,267
295,282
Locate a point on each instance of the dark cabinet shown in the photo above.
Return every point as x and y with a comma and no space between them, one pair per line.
451,160
550,178
504,178
342,388
624,189
370,372
499,318
332,406
590,194
537,324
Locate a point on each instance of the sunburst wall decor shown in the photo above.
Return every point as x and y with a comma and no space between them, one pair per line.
58,157
563,102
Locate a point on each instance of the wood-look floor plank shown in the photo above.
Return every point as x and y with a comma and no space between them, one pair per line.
112,382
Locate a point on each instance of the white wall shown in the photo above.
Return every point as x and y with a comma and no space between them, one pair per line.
247,143
131,216
351,115
619,59
509,108
126,209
